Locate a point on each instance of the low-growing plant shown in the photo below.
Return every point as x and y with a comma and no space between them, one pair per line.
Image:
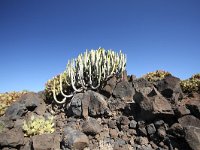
6,99
87,71
38,126
192,84
156,75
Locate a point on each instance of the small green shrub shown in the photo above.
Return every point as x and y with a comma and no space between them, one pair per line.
156,76
38,126
192,84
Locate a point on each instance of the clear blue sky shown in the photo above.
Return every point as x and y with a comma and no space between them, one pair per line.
37,37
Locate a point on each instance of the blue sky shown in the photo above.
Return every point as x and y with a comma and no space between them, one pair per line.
37,37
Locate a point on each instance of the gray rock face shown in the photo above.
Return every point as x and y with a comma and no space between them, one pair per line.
12,138
74,139
46,141
124,91
91,127
193,137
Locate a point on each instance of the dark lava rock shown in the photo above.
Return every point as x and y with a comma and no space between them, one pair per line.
152,105
31,100
107,90
91,127
12,138
123,120
75,108
143,86
98,105
177,130
151,129
193,137
16,111
182,111
133,124
46,141
189,120
194,106
124,91
27,102
112,124
169,87
74,139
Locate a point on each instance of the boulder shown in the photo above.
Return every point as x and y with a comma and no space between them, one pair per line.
27,102
182,111
12,138
177,130
193,105
16,111
31,100
46,141
75,108
142,86
189,120
169,87
107,90
124,91
74,139
193,137
152,105
91,127
97,105
87,104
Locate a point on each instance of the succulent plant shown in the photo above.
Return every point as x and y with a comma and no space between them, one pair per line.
6,99
156,76
192,84
38,126
87,71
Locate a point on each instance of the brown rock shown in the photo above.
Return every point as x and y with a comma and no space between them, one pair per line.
10,139
107,90
113,133
46,141
193,137
91,127
189,120
74,139
124,91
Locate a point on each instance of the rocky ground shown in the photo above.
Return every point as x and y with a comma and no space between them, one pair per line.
125,114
